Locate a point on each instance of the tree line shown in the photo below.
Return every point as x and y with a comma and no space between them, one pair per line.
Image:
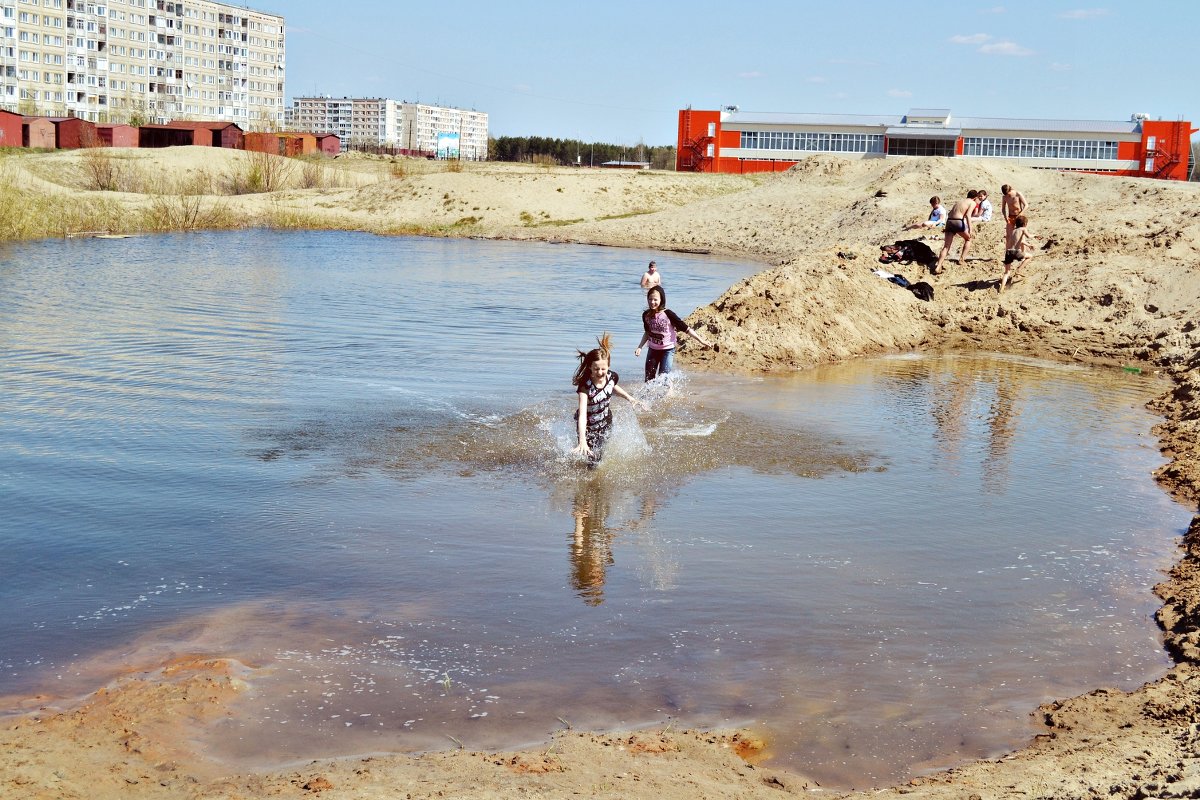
544,150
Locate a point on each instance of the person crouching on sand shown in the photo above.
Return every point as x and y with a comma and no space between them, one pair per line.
595,385
958,223
1024,249
661,325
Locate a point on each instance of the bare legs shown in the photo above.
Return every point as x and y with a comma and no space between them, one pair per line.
938,269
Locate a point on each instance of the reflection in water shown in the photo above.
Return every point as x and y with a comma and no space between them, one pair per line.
948,405
1002,426
591,543
955,399
646,461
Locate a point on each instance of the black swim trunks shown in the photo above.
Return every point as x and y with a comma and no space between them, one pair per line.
956,226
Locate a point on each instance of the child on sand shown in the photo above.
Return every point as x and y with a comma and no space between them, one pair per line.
1024,249
661,325
937,217
595,386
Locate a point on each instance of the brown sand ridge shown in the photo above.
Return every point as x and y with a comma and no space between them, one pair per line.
1117,284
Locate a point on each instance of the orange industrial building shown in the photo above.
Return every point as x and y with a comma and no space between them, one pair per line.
737,141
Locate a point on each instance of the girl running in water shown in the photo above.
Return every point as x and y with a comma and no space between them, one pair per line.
662,324
595,386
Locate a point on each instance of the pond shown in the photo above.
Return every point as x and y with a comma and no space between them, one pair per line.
345,460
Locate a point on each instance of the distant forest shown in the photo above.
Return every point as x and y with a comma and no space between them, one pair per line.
541,150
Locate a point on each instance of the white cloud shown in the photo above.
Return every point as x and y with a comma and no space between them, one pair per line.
751,74
817,79
899,93
1005,49
1058,66
1085,13
974,38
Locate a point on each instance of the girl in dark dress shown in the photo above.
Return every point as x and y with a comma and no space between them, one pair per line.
595,385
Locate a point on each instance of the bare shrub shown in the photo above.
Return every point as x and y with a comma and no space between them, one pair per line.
185,206
257,173
454,165
101,170
314,176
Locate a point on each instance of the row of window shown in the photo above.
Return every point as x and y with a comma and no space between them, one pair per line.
813,141
1038,148
1000,147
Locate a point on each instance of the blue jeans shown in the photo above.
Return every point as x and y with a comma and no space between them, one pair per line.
658,362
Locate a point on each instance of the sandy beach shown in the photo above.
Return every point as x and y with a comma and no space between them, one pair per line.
1115,284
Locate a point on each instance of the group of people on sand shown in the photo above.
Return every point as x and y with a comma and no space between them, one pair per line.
1019,245
595,384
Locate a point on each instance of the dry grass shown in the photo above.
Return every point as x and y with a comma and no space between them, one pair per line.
188,208
27,214
258,173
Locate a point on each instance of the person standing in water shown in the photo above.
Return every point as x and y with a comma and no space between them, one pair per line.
595,385
651,277
661,325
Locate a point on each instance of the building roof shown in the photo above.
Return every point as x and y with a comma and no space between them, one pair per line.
1083,125
781,118
190,125
898,122
923,132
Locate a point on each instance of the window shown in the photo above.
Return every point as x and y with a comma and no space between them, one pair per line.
1009,147
812,141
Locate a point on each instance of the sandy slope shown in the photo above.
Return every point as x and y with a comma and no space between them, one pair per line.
1118,283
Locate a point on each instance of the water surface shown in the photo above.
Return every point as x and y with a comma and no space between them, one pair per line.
344,459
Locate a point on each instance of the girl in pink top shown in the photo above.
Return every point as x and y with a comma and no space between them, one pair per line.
661,325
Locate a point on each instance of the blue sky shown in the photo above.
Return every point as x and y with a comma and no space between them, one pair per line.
619,71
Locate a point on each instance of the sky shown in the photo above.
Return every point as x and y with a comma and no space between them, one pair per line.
620,71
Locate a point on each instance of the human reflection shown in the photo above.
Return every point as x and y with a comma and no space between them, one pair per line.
1002,425
591,544
951,405
948,405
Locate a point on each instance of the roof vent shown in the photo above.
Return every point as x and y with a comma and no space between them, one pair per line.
1139,117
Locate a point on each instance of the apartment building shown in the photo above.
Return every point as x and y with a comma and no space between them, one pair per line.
447,132
366,121
142,61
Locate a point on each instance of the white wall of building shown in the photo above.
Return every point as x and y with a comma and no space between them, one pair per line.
130,61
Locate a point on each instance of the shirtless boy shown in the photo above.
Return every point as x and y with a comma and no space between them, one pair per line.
1014,206
651,277
958,223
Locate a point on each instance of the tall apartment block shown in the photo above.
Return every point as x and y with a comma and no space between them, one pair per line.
367,121
142,61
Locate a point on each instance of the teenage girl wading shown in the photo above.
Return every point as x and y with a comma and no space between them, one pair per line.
661,325
595,386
